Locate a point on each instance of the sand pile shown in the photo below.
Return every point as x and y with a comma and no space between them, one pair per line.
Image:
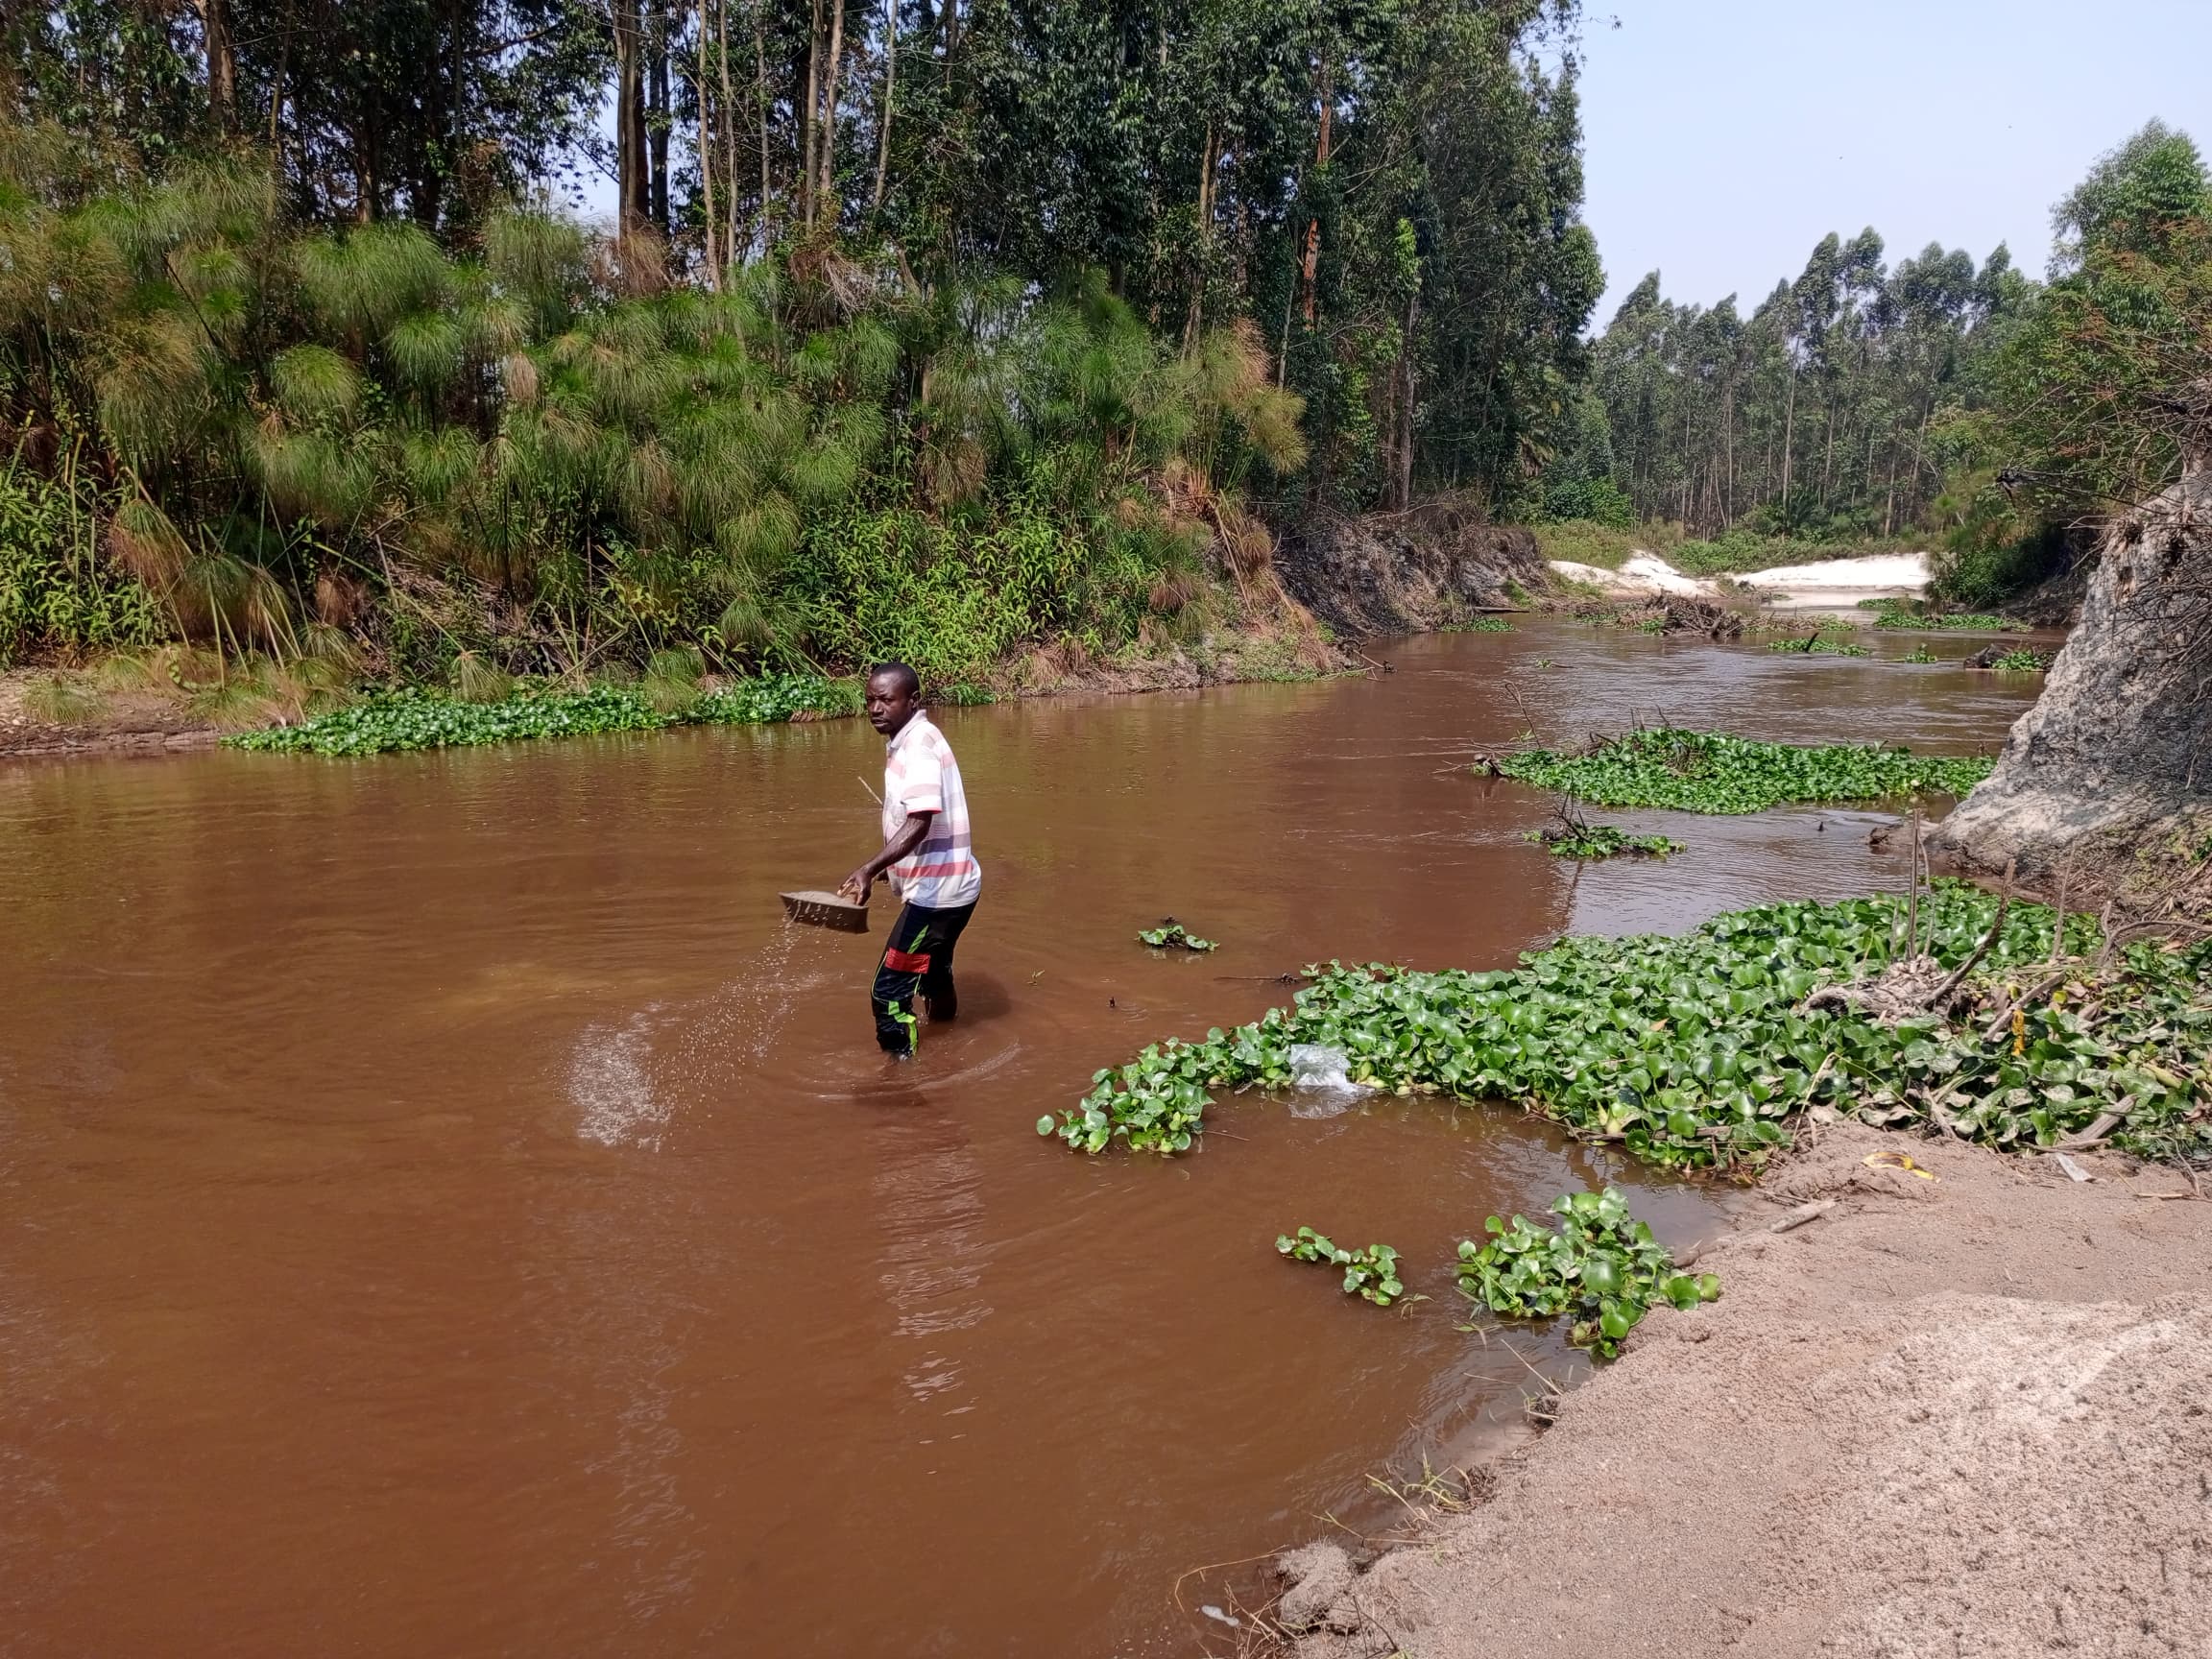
1967,1417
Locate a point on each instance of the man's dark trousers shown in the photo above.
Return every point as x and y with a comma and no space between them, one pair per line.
919,956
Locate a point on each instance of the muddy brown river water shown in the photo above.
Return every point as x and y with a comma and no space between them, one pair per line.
443,1209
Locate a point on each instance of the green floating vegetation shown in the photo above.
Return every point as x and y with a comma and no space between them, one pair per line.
1372,1272
408,718
1697,1051
1602,1266
1820,645
1906,614
1711,772
1480,625
2021,661
1172,935
1602,841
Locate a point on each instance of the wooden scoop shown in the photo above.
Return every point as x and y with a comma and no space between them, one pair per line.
832,910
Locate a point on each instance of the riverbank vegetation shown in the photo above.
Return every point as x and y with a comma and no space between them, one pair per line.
1602,1266
1713,772
409,718
1699,1051
900,346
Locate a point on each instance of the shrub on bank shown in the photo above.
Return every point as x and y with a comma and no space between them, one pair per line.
61,596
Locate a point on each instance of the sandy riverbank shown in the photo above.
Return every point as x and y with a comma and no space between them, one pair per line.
1967,1416
1827,584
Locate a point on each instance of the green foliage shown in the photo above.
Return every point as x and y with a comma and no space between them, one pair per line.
2022,660
409,718
1905,613
1580,541
1590,500
2084,409
1819,644
1479,625
955,600
485,459
1711,772
1602,1266
1806,421
1171,934
1699,1051
59,594
1372,1273
1579,840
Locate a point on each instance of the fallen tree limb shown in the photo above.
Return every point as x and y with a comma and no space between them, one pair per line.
1996,926
1803,1214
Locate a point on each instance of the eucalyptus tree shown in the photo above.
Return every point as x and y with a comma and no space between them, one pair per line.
1827,412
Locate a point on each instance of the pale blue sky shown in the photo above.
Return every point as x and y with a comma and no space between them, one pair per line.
1725,137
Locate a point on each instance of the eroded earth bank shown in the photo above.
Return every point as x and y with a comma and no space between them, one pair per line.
1969,1414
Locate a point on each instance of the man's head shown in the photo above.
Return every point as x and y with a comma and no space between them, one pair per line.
894,697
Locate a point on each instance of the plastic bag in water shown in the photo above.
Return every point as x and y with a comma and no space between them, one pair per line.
1317,1066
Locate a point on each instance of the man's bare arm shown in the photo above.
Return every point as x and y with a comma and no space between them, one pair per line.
911,834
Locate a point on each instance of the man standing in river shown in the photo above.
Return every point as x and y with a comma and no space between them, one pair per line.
927,852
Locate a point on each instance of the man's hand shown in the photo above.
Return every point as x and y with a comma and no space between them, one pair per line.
909,835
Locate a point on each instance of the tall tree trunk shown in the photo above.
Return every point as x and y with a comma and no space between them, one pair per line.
761,95
705,149
632,191
1312,262
729,136
277,111
658,109
890,85
1192,320
221,62
1728,449
807,126
829,200
949,25
1400,491
1789,431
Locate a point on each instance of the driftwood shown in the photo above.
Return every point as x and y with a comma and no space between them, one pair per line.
1803,1214
1996,926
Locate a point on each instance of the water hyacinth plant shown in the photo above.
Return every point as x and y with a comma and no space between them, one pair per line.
1697,1051
1602,841
1172,935
1713,772
1819,645
1602,1266
1372,1273
408,718
1906,614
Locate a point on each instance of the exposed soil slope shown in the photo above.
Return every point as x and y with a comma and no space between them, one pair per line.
1970,1416
1438,564
127,722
